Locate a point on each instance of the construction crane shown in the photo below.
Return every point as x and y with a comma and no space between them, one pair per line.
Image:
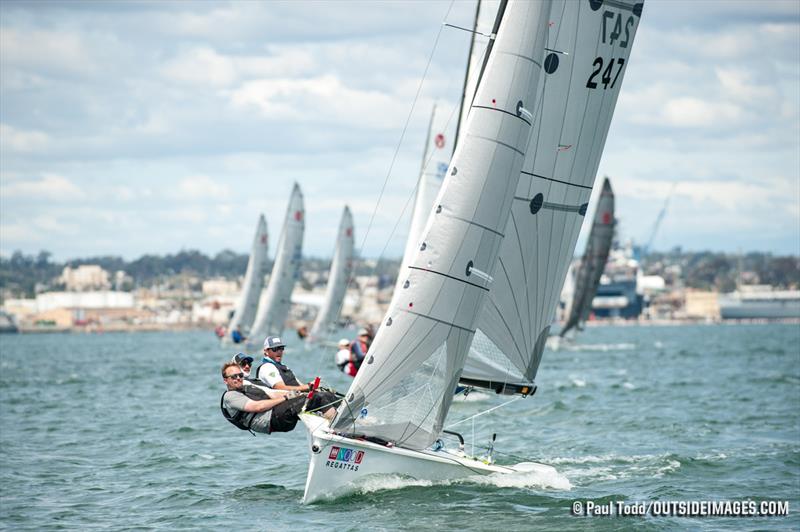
646,248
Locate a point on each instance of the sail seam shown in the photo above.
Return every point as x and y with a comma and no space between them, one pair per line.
476,224
525,57
437,320
448,276
495,141
509,113
556,180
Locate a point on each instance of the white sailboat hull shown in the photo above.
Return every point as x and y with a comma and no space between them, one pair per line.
339,465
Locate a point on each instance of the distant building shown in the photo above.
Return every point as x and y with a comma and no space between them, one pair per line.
220,287
85,277
701,304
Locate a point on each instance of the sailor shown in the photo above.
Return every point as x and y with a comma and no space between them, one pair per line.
359,347
259,409
279,377
237,335
343,356
245,362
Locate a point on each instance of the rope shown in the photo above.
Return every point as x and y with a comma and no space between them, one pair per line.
405,128
484,412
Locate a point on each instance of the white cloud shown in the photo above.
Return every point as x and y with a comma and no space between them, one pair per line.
201,66
201,186
50,186
22,141
57,50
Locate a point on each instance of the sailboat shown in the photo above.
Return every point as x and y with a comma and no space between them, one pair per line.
273,307
587,52
393,415
338,279
253,283
593,261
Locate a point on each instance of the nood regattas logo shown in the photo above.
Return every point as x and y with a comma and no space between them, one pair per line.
344,458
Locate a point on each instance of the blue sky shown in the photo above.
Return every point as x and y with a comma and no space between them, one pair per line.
150,127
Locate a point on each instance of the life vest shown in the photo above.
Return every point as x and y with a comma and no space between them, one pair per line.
286,374
242,419
356,346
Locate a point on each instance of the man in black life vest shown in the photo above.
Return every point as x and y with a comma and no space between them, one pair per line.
260,409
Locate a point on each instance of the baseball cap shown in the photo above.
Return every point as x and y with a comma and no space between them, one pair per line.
344,342
363,332
271,342
241,358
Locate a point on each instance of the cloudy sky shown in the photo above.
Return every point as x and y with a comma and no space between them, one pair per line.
148,127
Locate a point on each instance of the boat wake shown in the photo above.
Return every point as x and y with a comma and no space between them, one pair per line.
528,475
598,347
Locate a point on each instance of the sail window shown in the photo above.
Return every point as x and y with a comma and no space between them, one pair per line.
551,63
423,246
537,202
406,284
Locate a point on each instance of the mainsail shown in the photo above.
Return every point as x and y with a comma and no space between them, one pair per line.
338,278
594,259
588,46
276,299
245,311
404,389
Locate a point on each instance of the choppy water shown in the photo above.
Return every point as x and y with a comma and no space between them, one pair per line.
122,431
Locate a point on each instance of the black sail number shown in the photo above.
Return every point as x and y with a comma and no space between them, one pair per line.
606,76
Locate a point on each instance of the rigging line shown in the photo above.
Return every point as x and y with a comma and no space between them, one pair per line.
467,30
405,128
451,425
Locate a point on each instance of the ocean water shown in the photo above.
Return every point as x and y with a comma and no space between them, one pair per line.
123,431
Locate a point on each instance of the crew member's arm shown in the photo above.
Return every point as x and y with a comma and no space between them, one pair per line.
264,404
269,374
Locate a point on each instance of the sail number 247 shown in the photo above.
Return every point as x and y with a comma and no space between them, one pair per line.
606,78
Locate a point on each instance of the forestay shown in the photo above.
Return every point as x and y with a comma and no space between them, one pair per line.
276,299
404,389
245,311
588,45
594,259
338,279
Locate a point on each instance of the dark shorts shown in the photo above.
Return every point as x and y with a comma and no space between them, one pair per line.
284,416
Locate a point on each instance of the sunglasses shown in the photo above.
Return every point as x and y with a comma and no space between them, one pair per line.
276,349
235,376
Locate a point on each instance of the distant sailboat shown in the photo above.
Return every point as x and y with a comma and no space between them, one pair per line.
588,47
275,301
593,261
338,279
245,311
